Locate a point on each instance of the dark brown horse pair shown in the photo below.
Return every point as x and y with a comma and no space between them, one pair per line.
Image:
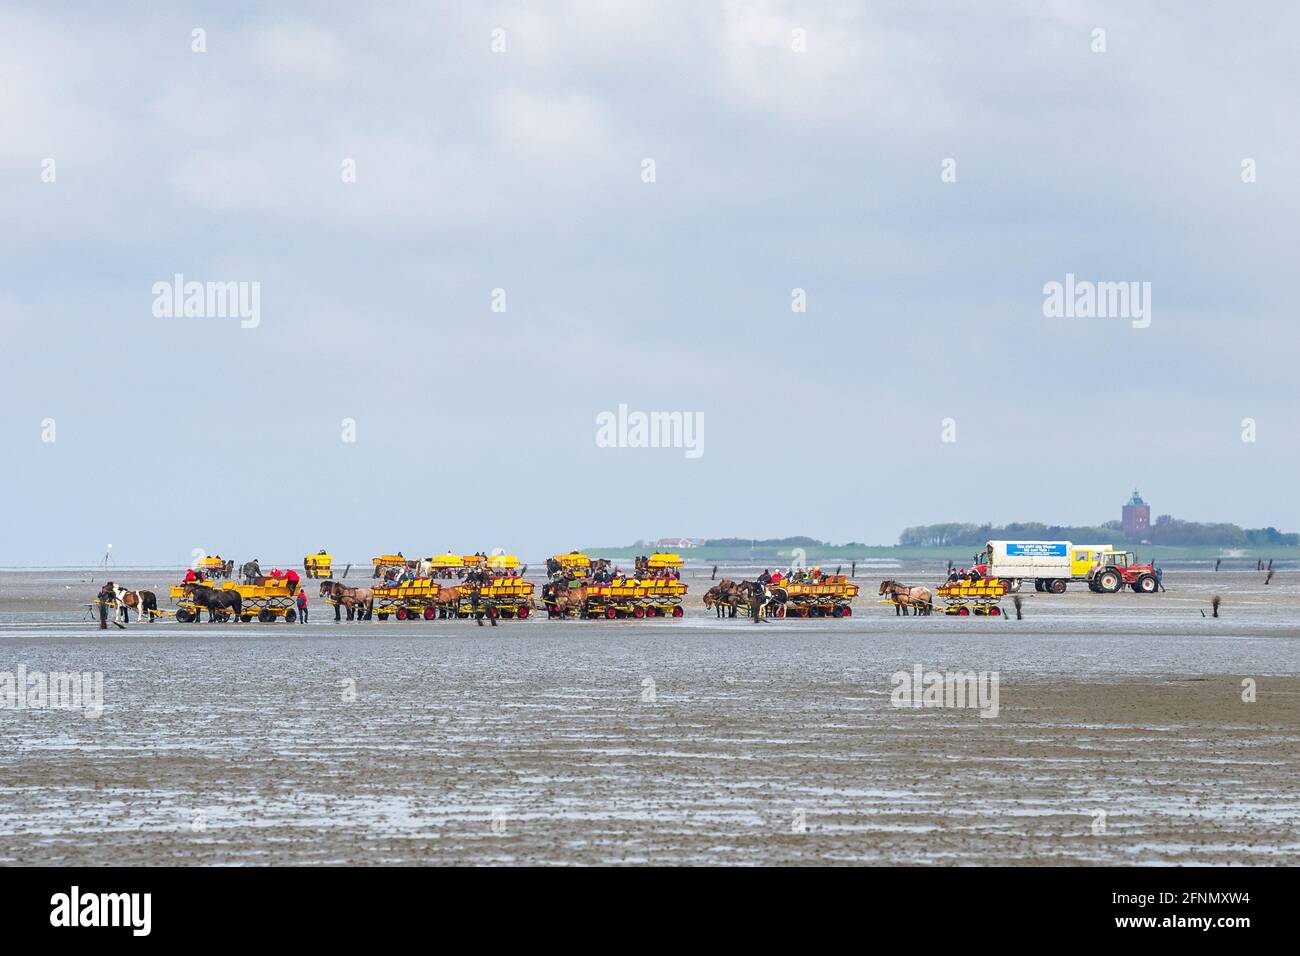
221,603
725,597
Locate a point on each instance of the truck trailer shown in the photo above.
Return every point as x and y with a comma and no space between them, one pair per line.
1051,565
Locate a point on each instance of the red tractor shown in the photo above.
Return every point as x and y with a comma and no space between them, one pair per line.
1115,569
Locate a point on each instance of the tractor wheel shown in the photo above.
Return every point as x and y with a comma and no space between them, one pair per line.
522,612
1146,584
995,611
401,614
1109,582
610,613
430,613
245,618
1038,584
677,611
383,617
650,612
638,613
290,616
265,616
963,611
183,616
1056,586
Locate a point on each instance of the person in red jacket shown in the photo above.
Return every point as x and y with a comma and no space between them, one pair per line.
190,576
292,577
302,607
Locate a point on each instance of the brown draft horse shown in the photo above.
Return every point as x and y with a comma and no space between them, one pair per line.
360,602
723,598
560,601
919,599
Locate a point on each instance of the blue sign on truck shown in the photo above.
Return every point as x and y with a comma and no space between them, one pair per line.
1037,549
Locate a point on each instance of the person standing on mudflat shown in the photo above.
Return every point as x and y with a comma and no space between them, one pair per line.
105,595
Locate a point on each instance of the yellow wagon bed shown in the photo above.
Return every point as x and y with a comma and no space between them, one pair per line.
978,597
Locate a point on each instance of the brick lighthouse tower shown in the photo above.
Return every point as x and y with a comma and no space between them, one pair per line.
1135,519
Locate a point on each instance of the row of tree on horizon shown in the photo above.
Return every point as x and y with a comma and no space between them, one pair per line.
1166,530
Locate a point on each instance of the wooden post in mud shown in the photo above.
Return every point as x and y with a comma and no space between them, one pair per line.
853,570
714,575
346,570
1217,562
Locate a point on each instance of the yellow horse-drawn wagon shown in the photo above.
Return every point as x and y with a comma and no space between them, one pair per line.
268,600
502,591
214,567
424,598
831,596
318,565
391,562
653,593
979,597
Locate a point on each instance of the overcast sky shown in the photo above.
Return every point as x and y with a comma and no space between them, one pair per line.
775,168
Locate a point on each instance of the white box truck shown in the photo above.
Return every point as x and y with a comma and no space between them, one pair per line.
1049,564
